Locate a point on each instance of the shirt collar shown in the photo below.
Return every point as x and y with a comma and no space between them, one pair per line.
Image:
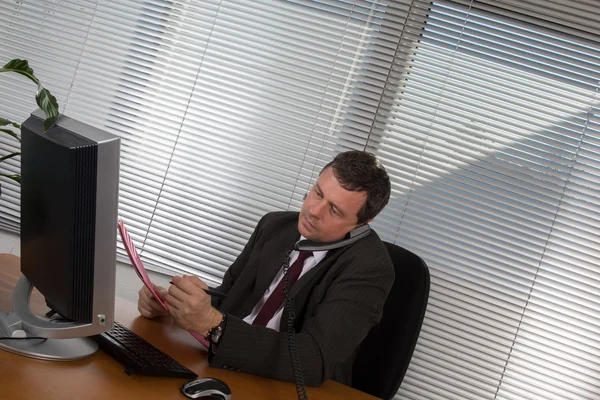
318,255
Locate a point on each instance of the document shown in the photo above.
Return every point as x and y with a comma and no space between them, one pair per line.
141,272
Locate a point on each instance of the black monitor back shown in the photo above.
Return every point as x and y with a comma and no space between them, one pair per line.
59,196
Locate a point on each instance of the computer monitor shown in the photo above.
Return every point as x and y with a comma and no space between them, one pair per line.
69,205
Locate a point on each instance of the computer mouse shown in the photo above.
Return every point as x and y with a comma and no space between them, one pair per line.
206,388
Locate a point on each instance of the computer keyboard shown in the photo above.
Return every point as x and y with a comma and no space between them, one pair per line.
139,356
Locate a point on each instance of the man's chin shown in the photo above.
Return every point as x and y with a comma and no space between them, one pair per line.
306,229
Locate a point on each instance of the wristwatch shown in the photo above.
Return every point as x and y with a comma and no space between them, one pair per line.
215,333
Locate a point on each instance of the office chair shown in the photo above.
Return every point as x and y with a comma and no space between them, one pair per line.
384,355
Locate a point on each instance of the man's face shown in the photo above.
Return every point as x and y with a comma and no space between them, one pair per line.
329,211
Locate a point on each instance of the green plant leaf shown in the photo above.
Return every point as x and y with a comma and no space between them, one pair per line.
14,177
11,155
10,133
20,67
44,99
4,122
49,105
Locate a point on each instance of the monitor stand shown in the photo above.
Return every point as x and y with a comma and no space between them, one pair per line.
63,341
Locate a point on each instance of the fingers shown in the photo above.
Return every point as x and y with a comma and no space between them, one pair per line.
174,303
189,305
196,281
146,313
146,296
186,295
190,285
176,293
162,292
148,306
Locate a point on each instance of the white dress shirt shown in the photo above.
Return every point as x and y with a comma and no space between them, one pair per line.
309,264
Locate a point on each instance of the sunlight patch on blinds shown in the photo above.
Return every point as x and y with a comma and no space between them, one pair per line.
491,141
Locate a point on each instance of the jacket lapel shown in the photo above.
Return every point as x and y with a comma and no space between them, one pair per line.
314,273
271,257
308,281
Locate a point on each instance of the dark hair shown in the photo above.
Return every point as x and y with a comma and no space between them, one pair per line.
359,171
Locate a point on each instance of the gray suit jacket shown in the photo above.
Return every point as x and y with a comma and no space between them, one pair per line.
336,304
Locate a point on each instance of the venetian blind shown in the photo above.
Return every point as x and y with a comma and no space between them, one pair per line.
226,109
485,117
490,130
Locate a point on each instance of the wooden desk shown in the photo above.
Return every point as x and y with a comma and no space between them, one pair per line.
101,377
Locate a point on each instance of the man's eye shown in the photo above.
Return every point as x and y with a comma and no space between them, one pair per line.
334,212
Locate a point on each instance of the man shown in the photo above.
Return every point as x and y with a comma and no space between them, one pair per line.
337,299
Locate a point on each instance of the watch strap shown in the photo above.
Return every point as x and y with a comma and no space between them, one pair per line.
214,334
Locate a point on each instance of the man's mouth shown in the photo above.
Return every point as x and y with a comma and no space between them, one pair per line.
308,225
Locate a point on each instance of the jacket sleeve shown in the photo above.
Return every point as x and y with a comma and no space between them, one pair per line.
352,305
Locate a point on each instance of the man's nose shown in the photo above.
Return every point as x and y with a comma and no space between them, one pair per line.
317,209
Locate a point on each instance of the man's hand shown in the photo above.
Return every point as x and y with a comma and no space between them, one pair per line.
190,306
148,306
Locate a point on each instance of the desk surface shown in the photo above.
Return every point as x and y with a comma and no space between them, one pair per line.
101,377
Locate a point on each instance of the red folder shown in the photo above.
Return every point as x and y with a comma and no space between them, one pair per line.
141,271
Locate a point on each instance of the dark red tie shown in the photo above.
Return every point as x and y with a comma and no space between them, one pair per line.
276,298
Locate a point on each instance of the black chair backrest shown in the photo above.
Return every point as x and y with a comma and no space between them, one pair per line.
384,355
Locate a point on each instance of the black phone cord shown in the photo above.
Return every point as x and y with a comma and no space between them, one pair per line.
295,358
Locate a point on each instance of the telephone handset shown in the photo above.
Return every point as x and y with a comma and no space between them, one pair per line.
353,236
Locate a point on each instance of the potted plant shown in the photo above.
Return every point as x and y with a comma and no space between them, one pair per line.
45,101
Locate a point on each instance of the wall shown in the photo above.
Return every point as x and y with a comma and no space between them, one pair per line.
128,282
9,243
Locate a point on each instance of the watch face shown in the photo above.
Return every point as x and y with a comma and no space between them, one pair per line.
216,334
